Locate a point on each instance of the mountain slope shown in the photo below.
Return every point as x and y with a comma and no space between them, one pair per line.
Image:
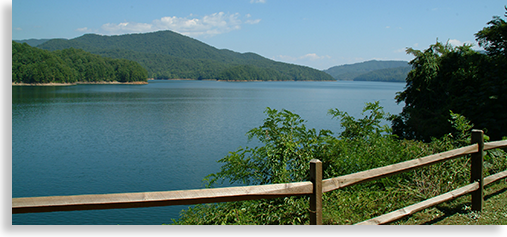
167,55
397,74
351,71
34,66
32,42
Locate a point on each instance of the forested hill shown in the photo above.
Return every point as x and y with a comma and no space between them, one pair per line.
32,42
371,71
169,55
37,66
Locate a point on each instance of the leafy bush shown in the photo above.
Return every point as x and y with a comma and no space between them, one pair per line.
288,146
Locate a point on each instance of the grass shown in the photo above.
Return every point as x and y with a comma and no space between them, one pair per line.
458,211
347,207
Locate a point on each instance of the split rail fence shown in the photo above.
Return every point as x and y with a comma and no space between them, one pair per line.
313,188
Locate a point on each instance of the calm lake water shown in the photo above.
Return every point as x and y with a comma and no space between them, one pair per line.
167,135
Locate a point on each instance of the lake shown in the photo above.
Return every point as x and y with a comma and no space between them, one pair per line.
166,135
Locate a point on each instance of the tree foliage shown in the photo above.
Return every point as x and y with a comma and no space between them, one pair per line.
460,79
446,86
169,55
494,37
287,146
251,73
33,65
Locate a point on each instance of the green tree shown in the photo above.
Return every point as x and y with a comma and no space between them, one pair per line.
287,146
166,54
494,37
33,65
460,79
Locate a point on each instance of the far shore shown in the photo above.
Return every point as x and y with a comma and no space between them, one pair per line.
81,83
179,79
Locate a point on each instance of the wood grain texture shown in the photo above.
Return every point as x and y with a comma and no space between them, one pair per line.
189,197
409,210
400,213
150,199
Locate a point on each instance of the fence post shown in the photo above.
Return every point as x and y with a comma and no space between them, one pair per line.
316,196
476,170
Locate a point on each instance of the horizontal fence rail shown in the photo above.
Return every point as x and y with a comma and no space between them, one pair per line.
385,171
314,188
152,199
406,211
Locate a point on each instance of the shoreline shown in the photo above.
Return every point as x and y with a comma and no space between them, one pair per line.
81,83
151,79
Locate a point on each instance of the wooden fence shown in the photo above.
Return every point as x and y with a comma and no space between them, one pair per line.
313,188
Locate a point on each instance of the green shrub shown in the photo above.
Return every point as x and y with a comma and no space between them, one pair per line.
288,147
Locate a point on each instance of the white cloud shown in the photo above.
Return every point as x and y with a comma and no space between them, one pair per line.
284,58
402,50
209,25
257,1
253,22
310,60
396,28
126,27
310,56
314,56
455,42
83,29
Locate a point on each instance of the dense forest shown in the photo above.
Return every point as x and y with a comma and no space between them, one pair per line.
33,66
169,55
370,70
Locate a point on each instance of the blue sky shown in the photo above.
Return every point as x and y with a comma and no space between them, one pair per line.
314,33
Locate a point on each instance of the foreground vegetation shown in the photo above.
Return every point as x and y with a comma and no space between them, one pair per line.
365,143
443,79
458,212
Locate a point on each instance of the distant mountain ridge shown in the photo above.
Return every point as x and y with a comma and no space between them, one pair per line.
372,70
169,55
32,42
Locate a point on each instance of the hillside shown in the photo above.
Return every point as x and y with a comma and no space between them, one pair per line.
169,55
32,65
32,42
397,74
349,72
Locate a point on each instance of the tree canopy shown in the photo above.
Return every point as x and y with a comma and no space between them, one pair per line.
169,55
446,78
34,65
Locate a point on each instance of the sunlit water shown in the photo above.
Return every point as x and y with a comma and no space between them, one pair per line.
167,135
